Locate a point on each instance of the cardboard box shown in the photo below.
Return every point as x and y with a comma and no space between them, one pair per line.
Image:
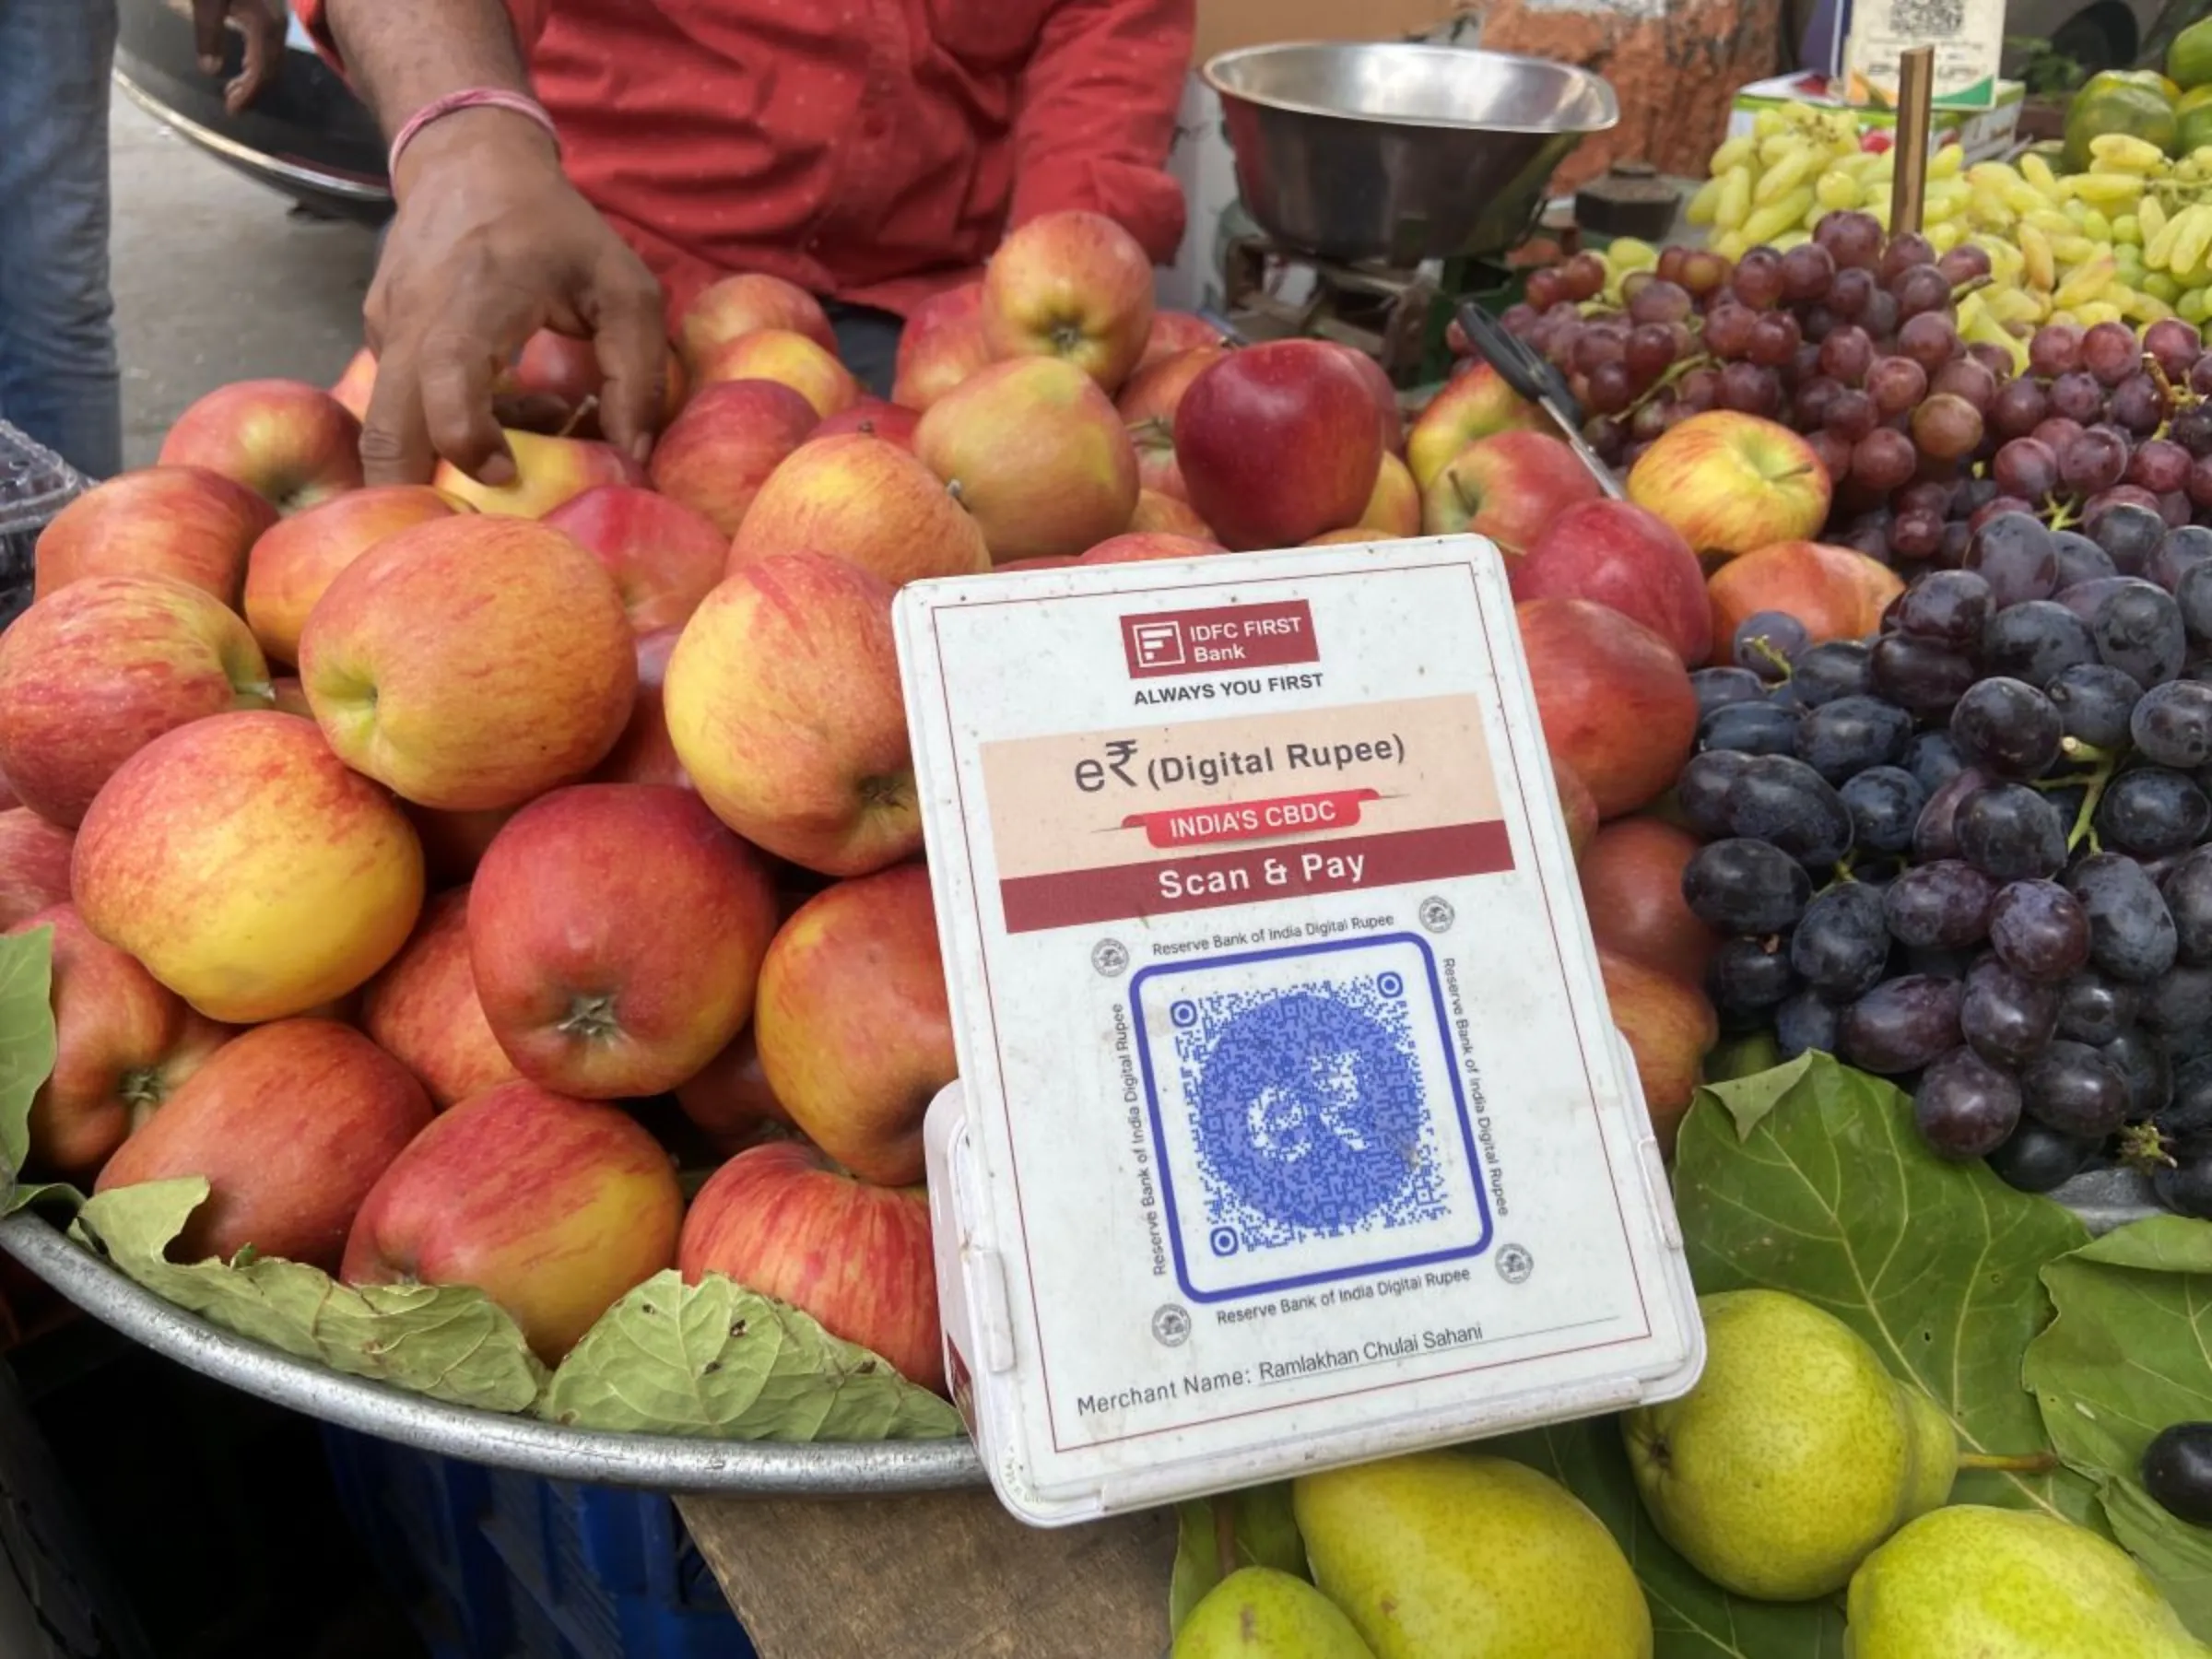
1226,24
1984,131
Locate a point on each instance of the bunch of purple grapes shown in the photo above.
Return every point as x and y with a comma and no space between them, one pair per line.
1974,852
1852,339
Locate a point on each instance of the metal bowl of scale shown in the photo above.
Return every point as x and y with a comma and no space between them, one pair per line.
1400,152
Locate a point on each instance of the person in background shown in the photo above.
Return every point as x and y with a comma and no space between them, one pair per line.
59,380
60,383
872,151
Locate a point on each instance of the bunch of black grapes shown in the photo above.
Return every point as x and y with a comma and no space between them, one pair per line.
1974,852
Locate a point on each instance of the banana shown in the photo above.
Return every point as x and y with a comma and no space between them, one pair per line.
1734,153
1784,175
1777,216
2123,152
1734,201
2188,250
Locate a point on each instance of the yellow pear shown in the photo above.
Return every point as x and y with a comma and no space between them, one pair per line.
1258,1613
2007,1585
1447,1555
1793,1456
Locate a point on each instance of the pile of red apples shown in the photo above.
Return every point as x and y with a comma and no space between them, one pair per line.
396,842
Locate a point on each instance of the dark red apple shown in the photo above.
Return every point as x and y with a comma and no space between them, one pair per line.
1277,444
1616,701
1621,555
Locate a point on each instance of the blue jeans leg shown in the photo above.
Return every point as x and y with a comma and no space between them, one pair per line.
59,379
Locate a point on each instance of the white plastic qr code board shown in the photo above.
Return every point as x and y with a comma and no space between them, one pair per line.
1293,1129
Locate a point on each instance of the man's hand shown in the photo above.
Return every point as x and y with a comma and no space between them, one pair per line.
492,243
263,30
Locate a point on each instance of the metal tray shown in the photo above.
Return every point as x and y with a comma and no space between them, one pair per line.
657,1462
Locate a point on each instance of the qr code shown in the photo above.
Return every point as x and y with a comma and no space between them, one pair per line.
1928,19
1307,1110
1307,1114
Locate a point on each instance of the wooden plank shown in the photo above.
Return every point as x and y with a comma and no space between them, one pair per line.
941,1576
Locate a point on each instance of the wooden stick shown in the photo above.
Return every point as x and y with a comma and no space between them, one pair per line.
1915,115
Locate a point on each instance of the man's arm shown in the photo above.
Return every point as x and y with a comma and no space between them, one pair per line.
491,242
1097,115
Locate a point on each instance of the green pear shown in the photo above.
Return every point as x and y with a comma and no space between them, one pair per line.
2007,1585
1258,1613
1794,1455
1445,1555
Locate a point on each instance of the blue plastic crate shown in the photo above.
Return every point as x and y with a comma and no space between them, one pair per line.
496,1565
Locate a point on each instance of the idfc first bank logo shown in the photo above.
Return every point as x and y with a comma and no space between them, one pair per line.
1220,640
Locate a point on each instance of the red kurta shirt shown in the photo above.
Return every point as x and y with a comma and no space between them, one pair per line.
871,150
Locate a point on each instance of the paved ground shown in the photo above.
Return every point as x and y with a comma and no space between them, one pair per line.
217,280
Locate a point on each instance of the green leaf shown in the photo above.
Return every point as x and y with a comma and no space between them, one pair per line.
1741,1056
26,1049
1749,1096
1691,1617
1264,1534
449,1342
1830,1194
719,1361
2129,1353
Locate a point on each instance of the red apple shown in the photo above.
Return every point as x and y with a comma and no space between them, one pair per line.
248,868
1730,482
777,354
784,701
643,753
557,368
1174,332
662,555
1391,419
1164,514
293,442
182,521
728,1098
1622,554
34,865
123,1044
292,1125
1036,453
941,345
779,1220
548,471
471,662
1632,887
1471,405
739,305
1669,1027
615,931
1070,284
1245,415
716,454
554,1209
872,418
92,675
1509,486
1615,699
295,561
1139,546
865,501
1837,593
854,1033
424,1012
357,384
1147,406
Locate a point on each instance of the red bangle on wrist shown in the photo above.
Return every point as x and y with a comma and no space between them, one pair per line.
469,97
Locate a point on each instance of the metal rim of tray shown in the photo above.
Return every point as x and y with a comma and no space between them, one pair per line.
1208,72
655,1461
